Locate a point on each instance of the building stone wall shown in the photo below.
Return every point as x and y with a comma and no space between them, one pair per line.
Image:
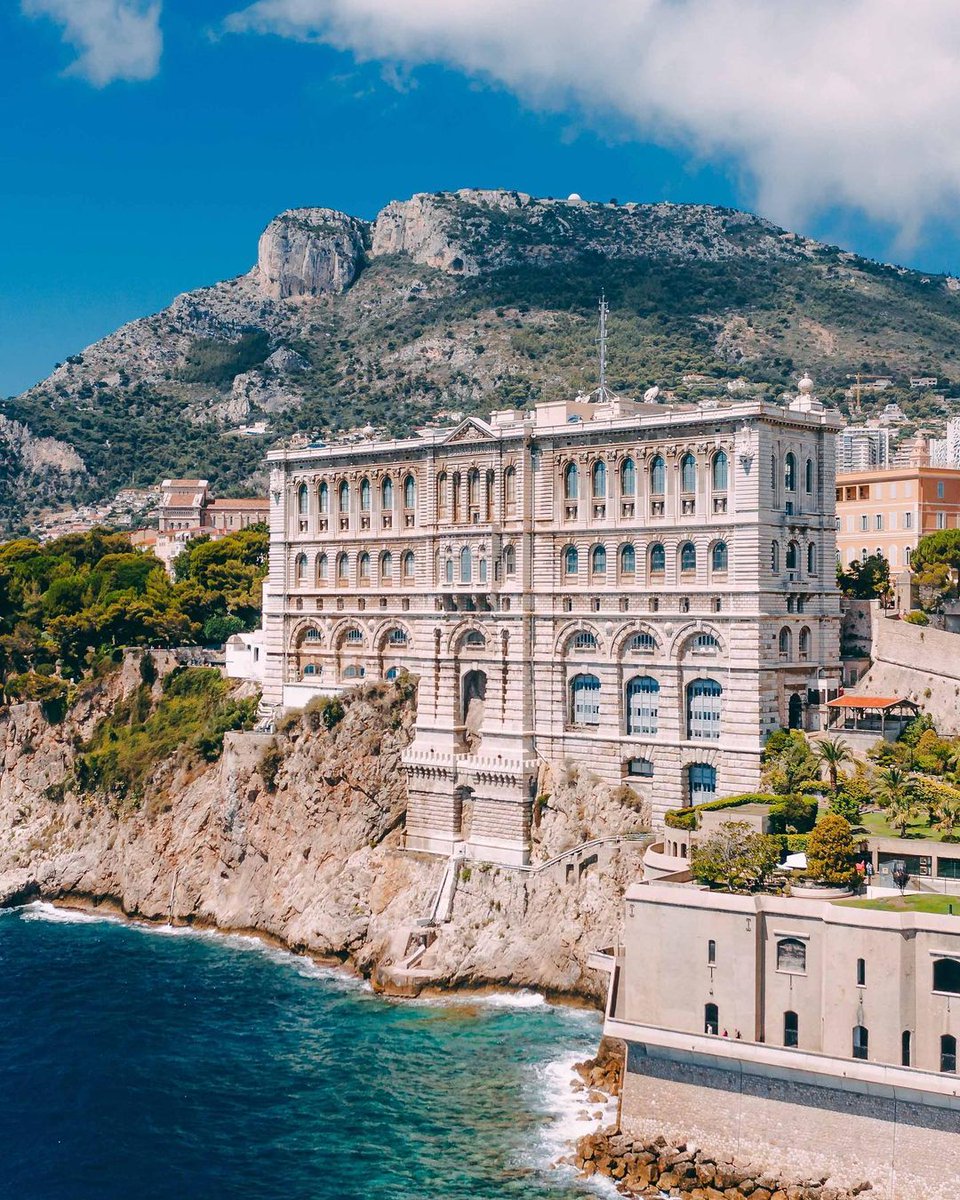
797,1123
526,604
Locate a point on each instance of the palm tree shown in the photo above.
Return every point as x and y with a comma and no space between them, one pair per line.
896,796
832,753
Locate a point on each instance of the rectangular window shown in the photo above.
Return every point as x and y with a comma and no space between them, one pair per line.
861,972
940,489
941,520
711,951
864,523
908,520
878,521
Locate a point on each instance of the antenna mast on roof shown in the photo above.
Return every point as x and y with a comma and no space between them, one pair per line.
603,393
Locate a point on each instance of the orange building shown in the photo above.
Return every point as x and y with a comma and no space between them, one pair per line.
887,510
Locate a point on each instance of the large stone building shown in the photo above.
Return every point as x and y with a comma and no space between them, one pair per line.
802,1034
643,589
187,510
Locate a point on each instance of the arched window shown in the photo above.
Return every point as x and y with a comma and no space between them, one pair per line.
808,477
704,697
571,561
711,1019
705,643
628,477
645,643
688,557
948,1053
570,482
658,559
643,698
688,473
323,568
466,565
658,476
409,492
790,473
775,556
701,782
443,496
711,951
720,471
640,766
301,568
811,558
341,568
407,564
386,566
791,1029
386,495
861,1041
303,500
323,498
585,700
786,642
510,560
448,570
473,637
363,567
482,570
905,1048
473,486
599,480
343,496
792,956
773,472
628,560
598,560
719,560
364,495
583,639
793,556
946,976
397,637
803,642
510,487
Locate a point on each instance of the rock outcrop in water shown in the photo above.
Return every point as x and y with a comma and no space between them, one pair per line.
299,837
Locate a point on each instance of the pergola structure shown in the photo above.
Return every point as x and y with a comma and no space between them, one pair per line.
870,713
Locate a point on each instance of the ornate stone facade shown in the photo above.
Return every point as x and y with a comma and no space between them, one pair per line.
645,591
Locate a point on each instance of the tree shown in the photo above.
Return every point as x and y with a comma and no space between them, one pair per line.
831,754
896,796
831,854
735,857
789,763
867,580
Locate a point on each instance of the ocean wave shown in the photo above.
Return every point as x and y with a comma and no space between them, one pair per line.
42,910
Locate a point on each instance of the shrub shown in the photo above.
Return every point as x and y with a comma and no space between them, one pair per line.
831,855
916,617
268,768
687,818
735,857
324,711
796,814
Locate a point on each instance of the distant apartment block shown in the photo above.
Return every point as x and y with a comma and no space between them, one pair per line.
187,510
860,447
887,511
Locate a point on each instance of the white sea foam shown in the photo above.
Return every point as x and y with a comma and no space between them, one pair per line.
570,1116
41,910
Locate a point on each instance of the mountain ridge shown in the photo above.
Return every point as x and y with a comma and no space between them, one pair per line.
459,300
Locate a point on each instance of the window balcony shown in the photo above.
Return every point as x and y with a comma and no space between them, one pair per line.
657,508
570,510
719,504
387,520
627,508
688,506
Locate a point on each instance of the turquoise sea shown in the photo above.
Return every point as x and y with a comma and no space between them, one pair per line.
138,1062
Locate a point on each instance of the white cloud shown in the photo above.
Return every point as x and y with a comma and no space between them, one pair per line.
114,39
818,102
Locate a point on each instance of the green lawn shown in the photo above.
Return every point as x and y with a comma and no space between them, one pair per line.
925,902
876,825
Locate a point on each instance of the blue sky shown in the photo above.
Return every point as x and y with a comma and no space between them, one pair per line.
118,194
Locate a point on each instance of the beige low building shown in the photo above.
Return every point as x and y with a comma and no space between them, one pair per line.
802,1033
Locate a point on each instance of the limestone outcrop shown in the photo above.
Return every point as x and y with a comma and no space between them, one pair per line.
310,252
299,836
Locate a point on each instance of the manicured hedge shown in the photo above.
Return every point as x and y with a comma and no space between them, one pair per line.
687,818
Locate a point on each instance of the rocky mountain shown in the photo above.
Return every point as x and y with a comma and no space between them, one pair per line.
462,301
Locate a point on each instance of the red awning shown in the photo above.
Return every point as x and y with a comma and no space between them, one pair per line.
878,702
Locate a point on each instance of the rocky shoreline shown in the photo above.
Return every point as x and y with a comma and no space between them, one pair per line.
662,1168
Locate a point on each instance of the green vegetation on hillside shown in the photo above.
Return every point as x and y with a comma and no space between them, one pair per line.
66,603
190,718
922,902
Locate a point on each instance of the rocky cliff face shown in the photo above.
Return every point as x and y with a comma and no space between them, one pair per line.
301,839
310,252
